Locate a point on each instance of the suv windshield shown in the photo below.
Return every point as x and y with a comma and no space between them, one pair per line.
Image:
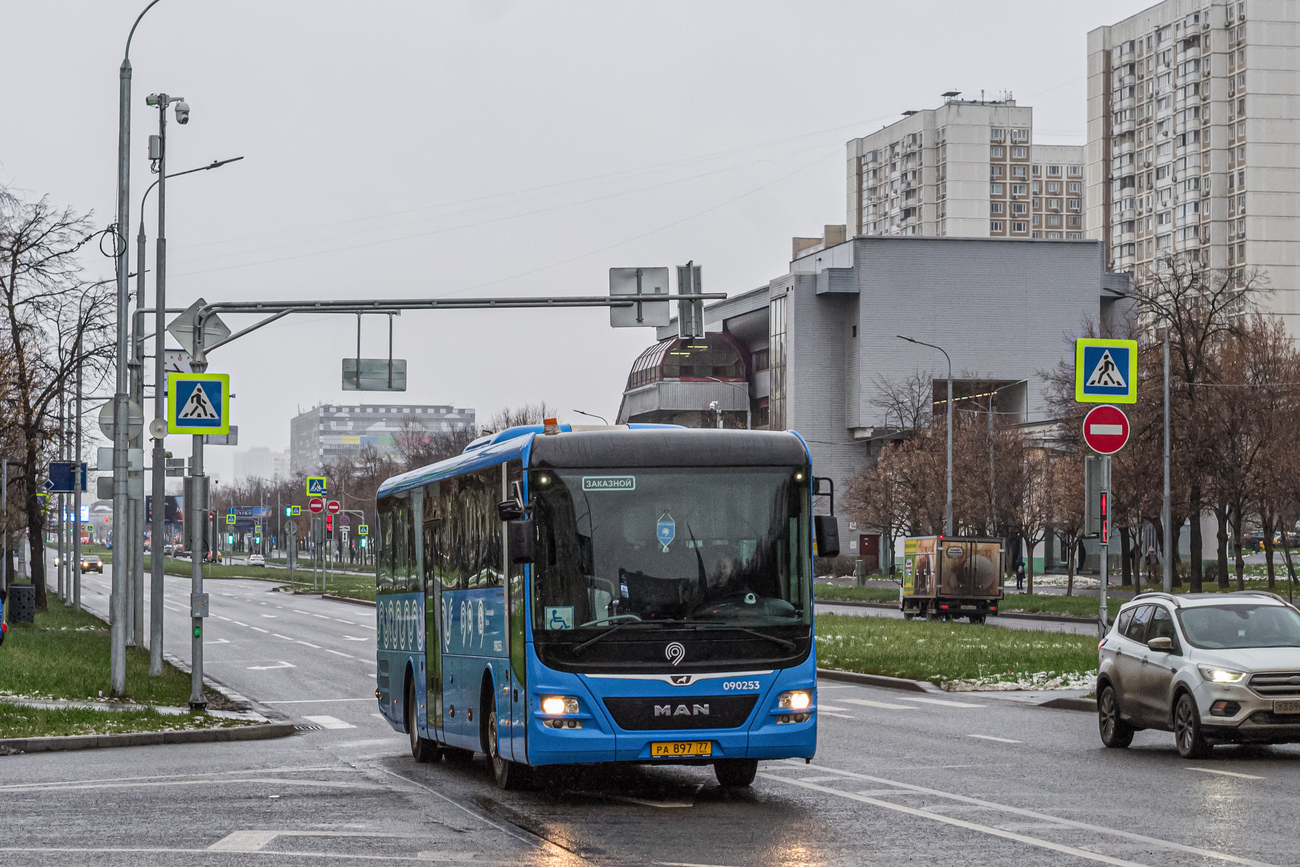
660,548
1232,626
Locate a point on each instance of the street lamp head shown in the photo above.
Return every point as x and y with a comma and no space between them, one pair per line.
182,112
151,99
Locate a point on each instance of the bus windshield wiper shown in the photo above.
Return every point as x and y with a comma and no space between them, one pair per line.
785,643
581,646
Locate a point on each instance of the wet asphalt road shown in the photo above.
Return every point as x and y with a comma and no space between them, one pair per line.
899,778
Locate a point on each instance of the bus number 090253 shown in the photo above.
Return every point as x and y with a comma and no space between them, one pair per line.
741,685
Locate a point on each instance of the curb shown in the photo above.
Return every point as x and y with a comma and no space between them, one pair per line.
1084,704
1023,615
903,684
366,602
880,680
140,739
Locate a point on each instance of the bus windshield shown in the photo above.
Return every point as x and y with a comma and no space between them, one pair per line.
646,549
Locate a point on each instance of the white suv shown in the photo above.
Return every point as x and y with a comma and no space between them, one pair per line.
1210,667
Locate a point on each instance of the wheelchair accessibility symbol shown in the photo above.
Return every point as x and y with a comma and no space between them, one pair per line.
559,616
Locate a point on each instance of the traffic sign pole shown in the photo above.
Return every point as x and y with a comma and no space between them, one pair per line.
1102,613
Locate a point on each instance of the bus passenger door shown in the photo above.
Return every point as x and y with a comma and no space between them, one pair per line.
432,634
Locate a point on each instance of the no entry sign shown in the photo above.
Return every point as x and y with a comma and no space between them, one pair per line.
316,504
333,507
1105,429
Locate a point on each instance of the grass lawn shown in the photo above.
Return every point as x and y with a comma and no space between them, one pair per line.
65,654
943,652
39,722
855,594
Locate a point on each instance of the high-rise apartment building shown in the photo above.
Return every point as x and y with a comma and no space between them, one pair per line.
967,169
324,433
1193,144
259,462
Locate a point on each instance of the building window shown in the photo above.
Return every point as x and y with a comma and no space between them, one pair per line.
995,208
1053,221
997,134
1018,172
995,152
759,360
1019,153
995,171
778,310
995,189
1076,187
1074,204
995,226
1076,171
1020,228
1054,186
1054,171
1018,189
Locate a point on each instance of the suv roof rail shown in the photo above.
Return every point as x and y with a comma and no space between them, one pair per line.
1258,593
1160,594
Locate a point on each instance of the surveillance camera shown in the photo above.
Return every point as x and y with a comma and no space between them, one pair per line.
182,112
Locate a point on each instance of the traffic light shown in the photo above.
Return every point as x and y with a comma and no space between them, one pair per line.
230,538
288,511
363,541
329,523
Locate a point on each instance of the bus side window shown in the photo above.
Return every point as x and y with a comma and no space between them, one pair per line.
384,556
402,546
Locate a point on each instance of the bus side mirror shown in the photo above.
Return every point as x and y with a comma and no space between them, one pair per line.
520,535
827,530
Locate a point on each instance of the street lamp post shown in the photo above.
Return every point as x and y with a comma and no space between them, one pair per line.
947,517
749,420
591,415
117,654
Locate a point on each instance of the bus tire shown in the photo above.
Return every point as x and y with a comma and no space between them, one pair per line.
506,774
735,773
422,749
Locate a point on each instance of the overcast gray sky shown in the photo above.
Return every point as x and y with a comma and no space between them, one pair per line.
422,149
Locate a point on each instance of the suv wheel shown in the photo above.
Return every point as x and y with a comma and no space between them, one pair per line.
1187,729
1115,733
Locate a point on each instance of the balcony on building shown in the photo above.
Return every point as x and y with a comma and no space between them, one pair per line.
676,380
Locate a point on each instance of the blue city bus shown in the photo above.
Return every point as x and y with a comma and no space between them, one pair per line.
642,593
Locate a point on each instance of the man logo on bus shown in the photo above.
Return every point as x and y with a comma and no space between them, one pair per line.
676,652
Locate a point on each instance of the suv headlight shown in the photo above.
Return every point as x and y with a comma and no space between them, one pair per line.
1220,675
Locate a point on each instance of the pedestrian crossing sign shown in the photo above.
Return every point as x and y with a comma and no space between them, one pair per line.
316,486
198,403
1105,371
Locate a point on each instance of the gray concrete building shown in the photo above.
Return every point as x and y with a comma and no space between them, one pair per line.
324,433
1193,145
970,169
815,349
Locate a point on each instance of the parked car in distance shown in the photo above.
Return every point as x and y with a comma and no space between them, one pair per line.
1210,667
92,561
1252,541
256,560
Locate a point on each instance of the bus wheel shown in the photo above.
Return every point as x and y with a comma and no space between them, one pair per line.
422,749
735,773
505,773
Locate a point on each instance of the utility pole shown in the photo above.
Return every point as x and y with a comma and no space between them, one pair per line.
1166,511
76,496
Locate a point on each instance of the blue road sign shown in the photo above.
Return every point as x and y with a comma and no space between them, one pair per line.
316,486
63,478
199,404
1105,371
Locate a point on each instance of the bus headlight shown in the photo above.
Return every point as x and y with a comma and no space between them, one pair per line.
559,704
794,700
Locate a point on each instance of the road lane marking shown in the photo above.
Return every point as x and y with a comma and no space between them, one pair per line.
329,722
960,823
282,664
340,653
323,616
880,704
309,644
260,629
299,611
243,841
315,700
285,637
943,701
992,738
1225,773
354,638
237,623
794,765
271,615
823,706
348,622
825,712
227,619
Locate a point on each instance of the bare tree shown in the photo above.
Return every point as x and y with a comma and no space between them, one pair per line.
908,402
1065,507
528,413
54,321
